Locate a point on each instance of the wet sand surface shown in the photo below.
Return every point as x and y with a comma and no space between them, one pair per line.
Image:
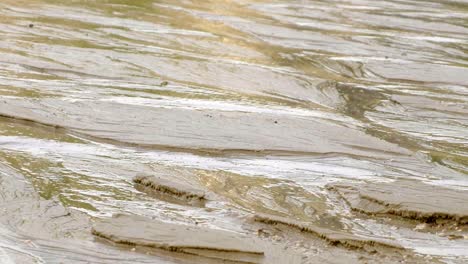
314,131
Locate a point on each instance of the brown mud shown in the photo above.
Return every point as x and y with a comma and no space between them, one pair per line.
332,236
141,231
164,127
341,125
333,245
407,199
159,186
36,230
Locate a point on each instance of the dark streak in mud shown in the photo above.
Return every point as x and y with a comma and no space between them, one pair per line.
161,187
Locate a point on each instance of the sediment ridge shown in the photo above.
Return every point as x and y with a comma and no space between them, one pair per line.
141,231
161,186
406,199
331,236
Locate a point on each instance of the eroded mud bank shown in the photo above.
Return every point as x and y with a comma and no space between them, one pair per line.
159,186
140,231
407,199
144,234
333,236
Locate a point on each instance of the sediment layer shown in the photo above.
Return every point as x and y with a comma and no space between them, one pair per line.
407,199
175,189
332,236
223,130
140,231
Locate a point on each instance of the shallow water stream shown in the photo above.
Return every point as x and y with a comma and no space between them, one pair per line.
261,103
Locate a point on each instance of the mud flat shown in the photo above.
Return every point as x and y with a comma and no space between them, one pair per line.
198,130
162,187
335,245
24,210
194,240
258,103
407,199
35,230
332,236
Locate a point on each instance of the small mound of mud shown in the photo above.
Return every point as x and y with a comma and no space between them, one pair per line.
140,231
162,187
407,199
332,236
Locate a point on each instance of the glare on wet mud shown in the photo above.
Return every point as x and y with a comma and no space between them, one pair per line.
286,124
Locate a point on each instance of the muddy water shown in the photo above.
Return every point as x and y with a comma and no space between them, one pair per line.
262,105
